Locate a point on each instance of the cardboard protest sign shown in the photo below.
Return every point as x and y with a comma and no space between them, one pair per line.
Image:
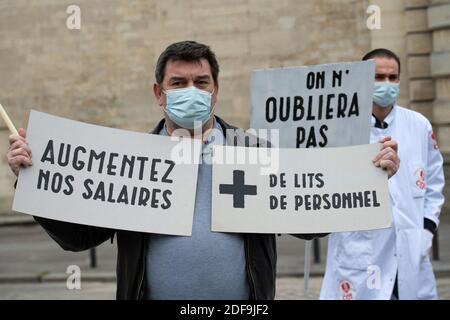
316,106
106,177
306,192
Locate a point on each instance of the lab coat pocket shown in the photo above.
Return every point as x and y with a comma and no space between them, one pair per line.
417,179
355,250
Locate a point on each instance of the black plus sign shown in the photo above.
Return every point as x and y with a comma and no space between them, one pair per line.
238,189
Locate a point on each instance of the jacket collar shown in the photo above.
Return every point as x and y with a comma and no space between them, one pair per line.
224,125
387,121
235,138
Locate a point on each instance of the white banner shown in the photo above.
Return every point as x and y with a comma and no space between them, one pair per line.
314,190
106,177
326,105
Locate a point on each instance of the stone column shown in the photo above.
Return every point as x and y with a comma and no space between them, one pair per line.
439,24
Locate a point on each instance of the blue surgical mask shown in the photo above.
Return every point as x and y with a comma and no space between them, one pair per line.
385,93
188,107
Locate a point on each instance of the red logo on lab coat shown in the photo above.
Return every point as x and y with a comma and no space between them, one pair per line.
420,182
433,137
346,290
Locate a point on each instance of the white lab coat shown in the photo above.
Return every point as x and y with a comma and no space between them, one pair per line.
363,265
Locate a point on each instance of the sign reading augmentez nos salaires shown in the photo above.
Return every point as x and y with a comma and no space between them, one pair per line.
315,106
106,177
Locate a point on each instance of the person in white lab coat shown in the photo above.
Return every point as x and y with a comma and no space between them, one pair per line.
393,263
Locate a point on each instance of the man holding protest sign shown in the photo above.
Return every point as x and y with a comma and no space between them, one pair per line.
393,263
208,265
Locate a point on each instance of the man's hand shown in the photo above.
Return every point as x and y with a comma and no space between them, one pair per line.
19,153
427,243
387,158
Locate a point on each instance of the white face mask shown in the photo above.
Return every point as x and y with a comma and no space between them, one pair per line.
188,107
385,93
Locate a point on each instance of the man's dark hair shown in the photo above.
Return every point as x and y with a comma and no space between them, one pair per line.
186,51
382,53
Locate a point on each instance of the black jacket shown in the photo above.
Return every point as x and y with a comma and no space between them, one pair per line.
260,249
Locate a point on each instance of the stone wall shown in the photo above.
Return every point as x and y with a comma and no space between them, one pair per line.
438,16
103,73
428,55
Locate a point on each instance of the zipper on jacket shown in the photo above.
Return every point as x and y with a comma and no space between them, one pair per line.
249,269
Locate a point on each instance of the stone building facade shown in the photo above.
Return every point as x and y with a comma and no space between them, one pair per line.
103,72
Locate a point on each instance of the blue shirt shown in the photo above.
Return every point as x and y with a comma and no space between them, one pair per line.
207,265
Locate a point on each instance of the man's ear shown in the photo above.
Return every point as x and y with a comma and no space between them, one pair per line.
159,95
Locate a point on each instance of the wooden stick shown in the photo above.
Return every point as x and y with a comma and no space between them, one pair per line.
7,120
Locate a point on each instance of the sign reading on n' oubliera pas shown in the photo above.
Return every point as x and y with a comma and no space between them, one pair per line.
107,177
298,190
